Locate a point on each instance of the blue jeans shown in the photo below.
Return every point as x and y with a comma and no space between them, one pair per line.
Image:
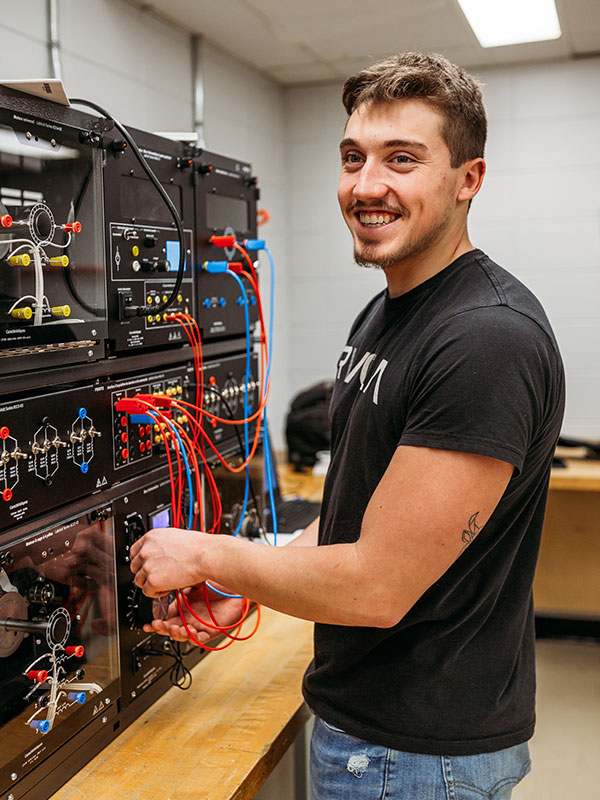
345,768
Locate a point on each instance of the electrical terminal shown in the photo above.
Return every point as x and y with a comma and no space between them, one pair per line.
141,419
157,400
215,267
61,311
222,241
22,260
71,227
254,244
22,313
59,261
130,405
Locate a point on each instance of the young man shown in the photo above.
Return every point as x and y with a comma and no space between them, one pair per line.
447,405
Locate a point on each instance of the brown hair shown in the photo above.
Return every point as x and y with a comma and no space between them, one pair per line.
430,77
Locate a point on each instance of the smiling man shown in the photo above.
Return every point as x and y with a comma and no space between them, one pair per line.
446,409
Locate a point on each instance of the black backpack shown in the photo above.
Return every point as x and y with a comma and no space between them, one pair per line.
307,425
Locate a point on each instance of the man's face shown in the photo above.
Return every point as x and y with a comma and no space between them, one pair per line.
397,190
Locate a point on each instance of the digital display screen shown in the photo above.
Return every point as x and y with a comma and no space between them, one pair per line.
160,519
226,212
141,200
173,250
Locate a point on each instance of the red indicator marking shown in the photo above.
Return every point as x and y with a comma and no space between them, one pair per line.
75,650
39,675
4,432
7,495
124,438
6,221
125,453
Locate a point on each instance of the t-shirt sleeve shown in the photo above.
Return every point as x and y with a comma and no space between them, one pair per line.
479,385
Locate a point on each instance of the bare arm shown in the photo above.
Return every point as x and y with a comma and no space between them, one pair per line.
308,537
412,531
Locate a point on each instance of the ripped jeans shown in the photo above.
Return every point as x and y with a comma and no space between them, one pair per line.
343,767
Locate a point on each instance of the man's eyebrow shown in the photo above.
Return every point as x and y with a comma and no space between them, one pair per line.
409,143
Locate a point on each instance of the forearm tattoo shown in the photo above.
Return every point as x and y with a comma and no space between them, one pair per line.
471,532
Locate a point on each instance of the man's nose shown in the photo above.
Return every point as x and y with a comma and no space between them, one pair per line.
370,183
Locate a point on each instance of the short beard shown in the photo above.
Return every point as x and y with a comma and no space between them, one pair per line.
404,251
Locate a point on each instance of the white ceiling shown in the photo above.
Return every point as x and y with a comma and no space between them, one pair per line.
309,41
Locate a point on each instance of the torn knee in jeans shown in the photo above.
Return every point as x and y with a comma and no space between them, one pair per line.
358,764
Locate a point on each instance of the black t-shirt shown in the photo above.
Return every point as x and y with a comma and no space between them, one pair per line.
465,361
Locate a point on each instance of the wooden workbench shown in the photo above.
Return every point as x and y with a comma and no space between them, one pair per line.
578,476
220,739
567,581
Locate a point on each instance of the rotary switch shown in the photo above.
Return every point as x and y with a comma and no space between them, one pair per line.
142,609
134,528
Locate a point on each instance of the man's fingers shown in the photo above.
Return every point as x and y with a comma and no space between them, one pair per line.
134,549
135,562
140,578
177,632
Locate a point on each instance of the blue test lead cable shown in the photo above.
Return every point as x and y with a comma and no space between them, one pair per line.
255,245
246,415
188,471
246,404
269,473
268,460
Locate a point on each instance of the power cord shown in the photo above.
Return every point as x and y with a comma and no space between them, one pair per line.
179,675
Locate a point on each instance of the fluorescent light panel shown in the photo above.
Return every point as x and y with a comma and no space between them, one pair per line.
501,22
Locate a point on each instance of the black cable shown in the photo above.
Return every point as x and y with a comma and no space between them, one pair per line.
145,311
67,272
179,675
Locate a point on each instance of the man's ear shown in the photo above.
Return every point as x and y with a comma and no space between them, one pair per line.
472,178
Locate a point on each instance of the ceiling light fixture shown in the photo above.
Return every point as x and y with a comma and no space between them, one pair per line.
500,22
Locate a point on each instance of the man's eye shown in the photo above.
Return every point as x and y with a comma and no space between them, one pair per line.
351,158
402,159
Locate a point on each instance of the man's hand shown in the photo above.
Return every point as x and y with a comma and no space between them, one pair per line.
226,611
166,559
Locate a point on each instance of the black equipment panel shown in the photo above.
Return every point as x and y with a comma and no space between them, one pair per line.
54,448
53,296
85,239
63,444
143,504
225,195
58,639
143,249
